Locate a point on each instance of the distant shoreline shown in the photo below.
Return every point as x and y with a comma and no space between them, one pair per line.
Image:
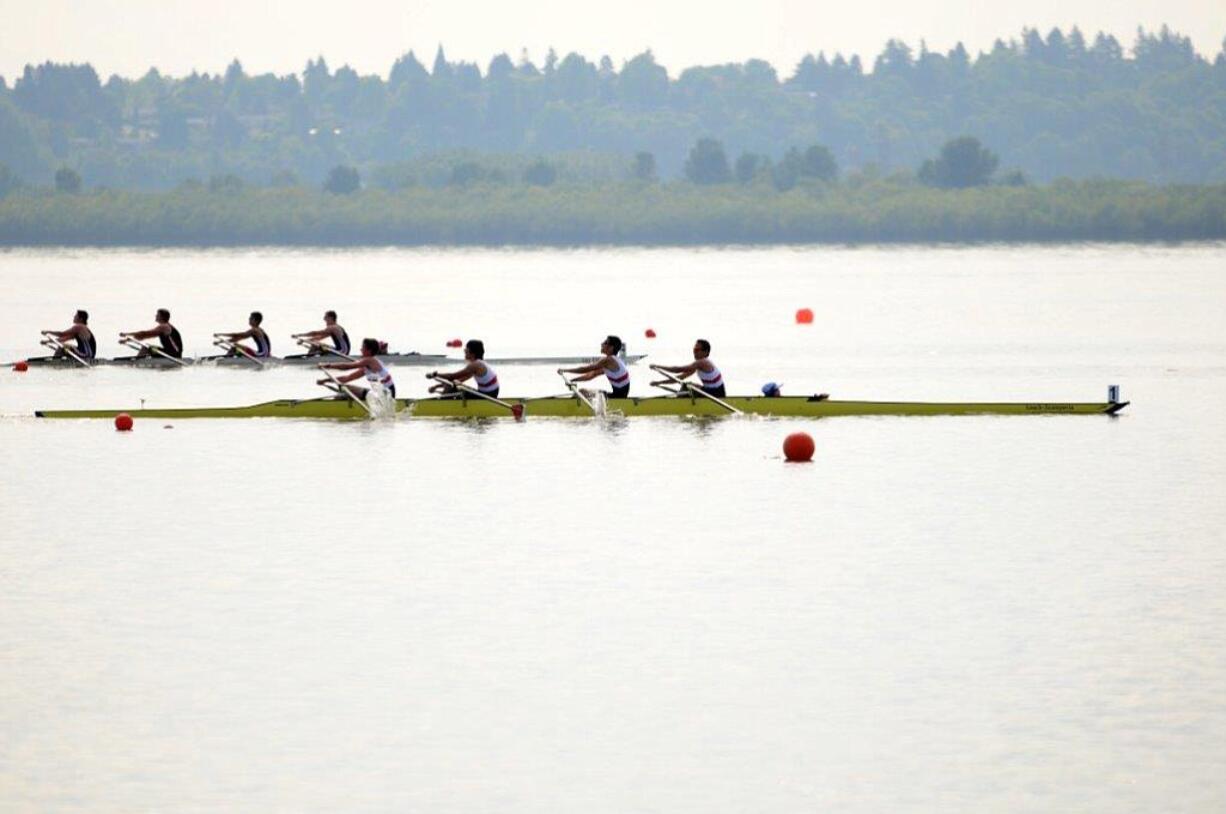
881,212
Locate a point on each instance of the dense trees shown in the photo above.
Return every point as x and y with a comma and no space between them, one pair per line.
628,212
707,163
67,180
343,180
1052,105
540,174
8,181
644,168
963,162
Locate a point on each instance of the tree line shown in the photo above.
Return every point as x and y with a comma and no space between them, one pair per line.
1051,106
863,207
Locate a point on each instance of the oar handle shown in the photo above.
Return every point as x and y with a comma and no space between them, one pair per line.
517,410
574,389
340,388
310,343
693,388
125,339
50,342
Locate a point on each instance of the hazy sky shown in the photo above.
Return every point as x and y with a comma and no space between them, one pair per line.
128,36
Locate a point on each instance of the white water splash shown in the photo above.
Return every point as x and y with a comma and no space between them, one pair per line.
381,402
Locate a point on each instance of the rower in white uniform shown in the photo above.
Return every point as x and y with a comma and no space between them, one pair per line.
477,369
610,364
367,365
709,377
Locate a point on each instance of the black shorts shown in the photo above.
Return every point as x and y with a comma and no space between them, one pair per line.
390,388
620,393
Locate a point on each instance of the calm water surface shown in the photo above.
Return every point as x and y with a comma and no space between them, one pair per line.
938,614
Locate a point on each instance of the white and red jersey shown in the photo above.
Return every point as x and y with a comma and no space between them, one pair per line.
487,382
380,375
620,377
710,379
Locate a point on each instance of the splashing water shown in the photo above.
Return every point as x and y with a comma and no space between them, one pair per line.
381,402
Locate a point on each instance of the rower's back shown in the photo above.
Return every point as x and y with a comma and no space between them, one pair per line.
172,342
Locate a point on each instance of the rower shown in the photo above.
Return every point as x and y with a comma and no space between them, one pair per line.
172,342
610,364
263,347
367,365
711,379
477,369
87,345
332,331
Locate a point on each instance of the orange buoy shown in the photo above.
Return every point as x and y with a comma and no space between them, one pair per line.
804,316
21,367
123,422
799,447
650,333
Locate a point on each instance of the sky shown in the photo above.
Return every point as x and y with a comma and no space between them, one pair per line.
177,36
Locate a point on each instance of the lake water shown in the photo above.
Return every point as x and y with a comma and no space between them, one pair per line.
937,614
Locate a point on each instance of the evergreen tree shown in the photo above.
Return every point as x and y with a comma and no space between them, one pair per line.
963,162
707,163
67,180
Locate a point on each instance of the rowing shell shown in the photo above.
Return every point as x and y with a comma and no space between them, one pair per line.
245,363
568,407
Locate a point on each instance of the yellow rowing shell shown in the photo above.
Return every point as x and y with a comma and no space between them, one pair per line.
567,407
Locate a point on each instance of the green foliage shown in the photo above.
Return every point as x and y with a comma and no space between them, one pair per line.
1013,178
67,180
540,174
467,173
707,163
284,178
747,167
444,169
963,162
226,184
1051,105
816,163
864,209
343,180
9,182
644,167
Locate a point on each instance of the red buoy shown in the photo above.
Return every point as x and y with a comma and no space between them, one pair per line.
21,367
799,447
123,422
454,343
804,316
650,333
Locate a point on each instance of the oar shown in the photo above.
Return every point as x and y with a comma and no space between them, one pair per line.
341,389
517,410
578,394
307,344
136,345
226,344
693,388
55,344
